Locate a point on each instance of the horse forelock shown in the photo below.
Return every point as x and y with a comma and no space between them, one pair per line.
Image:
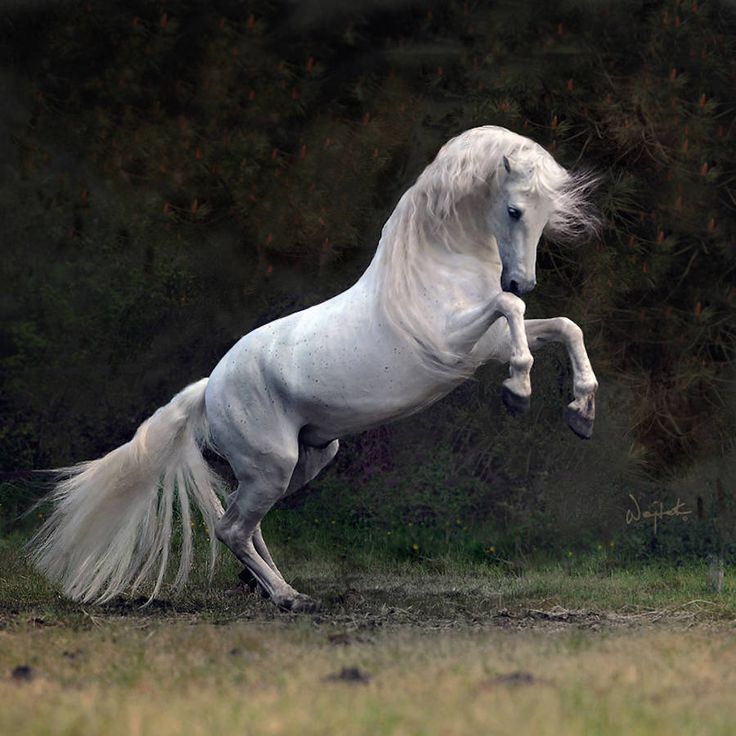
468,164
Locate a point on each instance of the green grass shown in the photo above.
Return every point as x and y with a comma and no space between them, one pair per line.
441,588
447,646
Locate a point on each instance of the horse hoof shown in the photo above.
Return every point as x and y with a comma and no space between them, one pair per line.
578,423
514,403
299,604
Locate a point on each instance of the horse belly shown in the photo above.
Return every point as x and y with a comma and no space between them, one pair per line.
348,391
327,372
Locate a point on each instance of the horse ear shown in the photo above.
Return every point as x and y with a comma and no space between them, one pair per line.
506,165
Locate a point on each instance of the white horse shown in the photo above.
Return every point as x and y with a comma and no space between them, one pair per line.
440,298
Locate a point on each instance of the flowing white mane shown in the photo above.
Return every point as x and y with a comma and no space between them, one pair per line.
465,174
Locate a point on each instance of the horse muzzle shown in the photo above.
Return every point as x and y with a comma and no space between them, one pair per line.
517,286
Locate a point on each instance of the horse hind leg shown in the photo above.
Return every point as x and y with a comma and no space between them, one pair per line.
263,472
311,461
236,530
260,486
247,581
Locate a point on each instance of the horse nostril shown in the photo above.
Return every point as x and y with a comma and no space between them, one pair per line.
514,287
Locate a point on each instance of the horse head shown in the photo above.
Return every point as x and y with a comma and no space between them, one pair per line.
518,215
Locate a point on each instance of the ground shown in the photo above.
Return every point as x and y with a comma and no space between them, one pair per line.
431,647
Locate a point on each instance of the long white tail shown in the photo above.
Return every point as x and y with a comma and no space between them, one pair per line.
111,526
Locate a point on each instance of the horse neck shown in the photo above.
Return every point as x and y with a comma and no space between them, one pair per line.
454,259
424,271
464,248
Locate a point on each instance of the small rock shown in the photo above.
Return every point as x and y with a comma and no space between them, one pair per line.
349,674
343,638
514,679
22,673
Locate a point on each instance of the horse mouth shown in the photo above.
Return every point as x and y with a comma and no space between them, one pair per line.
515,286
511,286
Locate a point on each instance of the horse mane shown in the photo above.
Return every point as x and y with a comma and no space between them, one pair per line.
466,167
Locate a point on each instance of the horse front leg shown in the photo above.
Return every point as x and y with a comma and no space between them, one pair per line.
470,327
516,390
580,412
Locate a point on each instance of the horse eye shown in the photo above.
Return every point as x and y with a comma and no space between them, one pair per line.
514,214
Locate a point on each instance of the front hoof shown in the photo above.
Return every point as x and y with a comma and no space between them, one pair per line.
514,403
300,603
579,422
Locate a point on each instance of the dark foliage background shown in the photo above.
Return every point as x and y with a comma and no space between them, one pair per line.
176,173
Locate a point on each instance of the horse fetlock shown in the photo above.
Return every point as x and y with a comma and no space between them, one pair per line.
585,387
585,406
521,362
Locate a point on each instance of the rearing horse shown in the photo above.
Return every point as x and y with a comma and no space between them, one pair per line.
440,298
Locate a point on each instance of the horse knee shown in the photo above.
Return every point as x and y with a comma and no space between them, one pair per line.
510,305
570,330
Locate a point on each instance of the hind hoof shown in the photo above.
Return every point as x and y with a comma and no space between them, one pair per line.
514,403
579,423
299,604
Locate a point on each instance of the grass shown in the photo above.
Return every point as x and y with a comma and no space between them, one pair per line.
414,647
170,677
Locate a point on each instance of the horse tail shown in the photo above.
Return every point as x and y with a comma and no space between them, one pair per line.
111,526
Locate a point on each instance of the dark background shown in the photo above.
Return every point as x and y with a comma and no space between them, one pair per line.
176,173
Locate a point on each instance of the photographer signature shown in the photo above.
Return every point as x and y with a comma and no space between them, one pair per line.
657,513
